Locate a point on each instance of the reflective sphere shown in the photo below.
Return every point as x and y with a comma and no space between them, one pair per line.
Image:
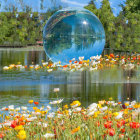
71,33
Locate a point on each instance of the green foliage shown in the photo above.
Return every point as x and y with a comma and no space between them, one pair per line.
122,32
120,35
20,28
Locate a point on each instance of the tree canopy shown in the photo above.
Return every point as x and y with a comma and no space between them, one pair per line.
23,28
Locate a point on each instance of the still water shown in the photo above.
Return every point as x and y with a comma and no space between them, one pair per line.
19,87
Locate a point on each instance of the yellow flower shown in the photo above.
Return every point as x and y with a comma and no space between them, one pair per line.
35,108
75,104
31,67
126,111
75,130
30,101
126,104
21,135
44,112
65,106
18,128
110,99
115,114
99,105
136,106
96,114
7,117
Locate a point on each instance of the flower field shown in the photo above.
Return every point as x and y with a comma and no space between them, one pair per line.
94,63
103,120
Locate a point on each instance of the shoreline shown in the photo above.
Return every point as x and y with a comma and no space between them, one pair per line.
26,48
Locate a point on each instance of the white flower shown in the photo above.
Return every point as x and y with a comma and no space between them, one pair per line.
48,108
56,89
17,109
114,104
36,113
133,103
24,108
50,70
92,107
26,115
49,135
41,108
81,58
73,59
7,124
11,107
91,113
92,69
0,126
23,112
31,119
103,108
56,102
119,116
111,102
36,66
45,125
51,115
3,109
45,64
77,109
5,68
92,57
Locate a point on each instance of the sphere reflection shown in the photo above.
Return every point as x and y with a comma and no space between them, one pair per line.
71,33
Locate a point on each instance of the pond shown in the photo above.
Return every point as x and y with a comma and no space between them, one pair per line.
17,88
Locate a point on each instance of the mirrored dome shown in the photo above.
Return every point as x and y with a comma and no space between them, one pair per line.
71,33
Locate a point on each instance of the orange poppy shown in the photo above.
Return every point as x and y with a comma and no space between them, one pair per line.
36,103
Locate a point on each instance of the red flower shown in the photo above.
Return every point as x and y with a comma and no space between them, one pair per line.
119,124
111,131
112,55
108,124
65,66
123,106
2,135
123,130
70,61
36,103
14,124
134,125
97,124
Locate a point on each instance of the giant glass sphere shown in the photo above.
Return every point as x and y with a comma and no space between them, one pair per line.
72,33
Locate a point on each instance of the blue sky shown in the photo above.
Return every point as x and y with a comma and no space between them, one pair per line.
35,4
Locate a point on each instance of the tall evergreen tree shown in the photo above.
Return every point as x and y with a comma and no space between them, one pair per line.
107,19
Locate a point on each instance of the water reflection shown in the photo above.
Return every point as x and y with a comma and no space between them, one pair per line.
25,57
18,87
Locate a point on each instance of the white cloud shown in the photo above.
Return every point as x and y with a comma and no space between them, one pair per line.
73,3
